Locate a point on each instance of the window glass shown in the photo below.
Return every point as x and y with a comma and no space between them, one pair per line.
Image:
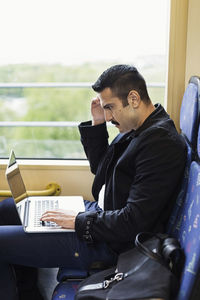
51,53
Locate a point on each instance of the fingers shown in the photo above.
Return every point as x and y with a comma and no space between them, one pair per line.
58,212
97,112
63,218
95,101
58,216
50,212
50,216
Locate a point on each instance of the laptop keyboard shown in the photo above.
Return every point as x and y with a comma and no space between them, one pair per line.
40,207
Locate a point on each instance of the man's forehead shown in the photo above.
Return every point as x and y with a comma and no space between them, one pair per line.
108,102
106,96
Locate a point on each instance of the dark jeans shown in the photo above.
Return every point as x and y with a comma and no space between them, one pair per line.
40,250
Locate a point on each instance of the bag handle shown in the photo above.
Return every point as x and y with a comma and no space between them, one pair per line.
141,238
169,254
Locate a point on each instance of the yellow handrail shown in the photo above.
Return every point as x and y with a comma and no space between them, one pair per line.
52,189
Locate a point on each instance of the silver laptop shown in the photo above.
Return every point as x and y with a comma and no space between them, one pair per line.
30,208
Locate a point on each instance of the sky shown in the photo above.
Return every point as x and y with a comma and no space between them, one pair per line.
78,31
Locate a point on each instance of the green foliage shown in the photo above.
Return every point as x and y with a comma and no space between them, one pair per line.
56,105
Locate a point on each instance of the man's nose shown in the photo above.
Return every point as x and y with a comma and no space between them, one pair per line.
108,115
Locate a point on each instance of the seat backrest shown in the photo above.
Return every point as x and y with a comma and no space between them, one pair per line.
189,120
189,113
187,229
187,232
178,206
184,223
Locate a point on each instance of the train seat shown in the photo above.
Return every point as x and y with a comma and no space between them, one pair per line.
184,223
186,230
189,112
189,120
185,219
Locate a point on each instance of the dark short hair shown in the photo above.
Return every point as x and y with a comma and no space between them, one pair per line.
121,79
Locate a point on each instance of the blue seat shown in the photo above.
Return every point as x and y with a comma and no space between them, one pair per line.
181,196
189,122
189,113
184,223
187,230
184,220
69,280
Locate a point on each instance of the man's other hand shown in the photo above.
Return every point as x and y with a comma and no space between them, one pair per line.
64,218
97,112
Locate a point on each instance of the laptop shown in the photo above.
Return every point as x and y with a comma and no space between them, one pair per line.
31,208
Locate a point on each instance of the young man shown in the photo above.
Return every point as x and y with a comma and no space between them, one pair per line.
136,181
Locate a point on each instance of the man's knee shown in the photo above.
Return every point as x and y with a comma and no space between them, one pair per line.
8,213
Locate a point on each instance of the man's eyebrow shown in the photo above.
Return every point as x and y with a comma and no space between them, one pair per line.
106,106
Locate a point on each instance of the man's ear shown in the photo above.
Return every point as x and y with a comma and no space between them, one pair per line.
134,99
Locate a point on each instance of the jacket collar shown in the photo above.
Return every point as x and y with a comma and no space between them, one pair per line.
158,114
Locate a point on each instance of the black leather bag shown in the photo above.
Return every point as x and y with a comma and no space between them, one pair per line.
151,270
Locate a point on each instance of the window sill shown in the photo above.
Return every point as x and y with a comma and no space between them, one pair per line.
45,164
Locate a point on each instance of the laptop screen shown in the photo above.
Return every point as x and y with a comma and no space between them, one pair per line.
12,159
14,179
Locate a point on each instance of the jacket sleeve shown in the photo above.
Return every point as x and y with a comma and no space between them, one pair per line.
158,168
95,142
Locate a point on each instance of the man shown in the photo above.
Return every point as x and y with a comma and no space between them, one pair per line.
141,169
136,181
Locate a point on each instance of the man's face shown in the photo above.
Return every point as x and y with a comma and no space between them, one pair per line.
114,111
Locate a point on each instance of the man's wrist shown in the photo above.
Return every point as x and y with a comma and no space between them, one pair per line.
97,122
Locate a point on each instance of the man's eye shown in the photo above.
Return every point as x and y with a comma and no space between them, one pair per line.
108,107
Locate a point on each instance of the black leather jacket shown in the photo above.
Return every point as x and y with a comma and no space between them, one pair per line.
142,171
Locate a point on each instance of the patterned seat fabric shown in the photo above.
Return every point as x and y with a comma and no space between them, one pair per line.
69,280
65,290
171,228
187,230
184,223
189,120
189,114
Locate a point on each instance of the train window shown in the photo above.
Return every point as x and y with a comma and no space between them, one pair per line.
53,51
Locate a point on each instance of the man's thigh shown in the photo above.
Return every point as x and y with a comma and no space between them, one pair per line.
49,249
